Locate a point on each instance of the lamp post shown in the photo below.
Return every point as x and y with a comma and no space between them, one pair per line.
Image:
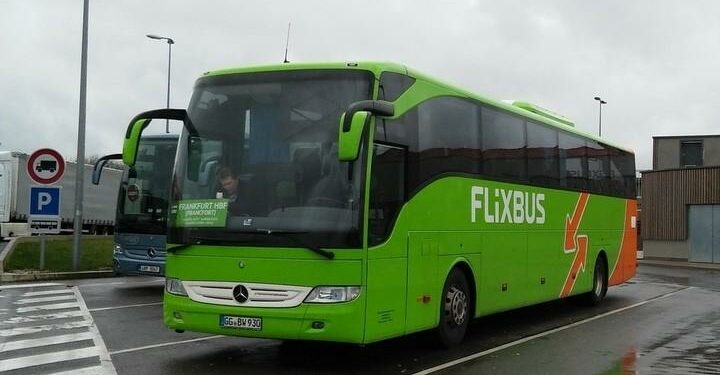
600,118
170,42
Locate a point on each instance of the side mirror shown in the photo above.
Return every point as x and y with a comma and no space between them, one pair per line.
141,121
99,164
349,141
353,123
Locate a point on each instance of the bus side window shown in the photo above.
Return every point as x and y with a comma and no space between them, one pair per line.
543,155
503,145
573,161
387,193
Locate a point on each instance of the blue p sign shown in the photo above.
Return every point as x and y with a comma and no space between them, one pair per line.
45,201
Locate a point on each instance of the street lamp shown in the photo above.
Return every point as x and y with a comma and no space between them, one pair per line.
600,118
170,42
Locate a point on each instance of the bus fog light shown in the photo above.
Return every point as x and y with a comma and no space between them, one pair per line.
175,286
117,250
333,294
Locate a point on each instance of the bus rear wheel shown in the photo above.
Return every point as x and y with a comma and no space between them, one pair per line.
454,309
600,283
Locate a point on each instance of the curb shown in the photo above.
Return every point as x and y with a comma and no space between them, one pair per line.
680,264
7,251
12,277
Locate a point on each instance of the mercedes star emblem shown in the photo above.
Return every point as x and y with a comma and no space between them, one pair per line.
241,293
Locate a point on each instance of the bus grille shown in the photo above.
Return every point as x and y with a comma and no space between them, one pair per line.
260,295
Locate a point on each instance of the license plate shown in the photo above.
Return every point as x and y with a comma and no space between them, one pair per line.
154,269
228,321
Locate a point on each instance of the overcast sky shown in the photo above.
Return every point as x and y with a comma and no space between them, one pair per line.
656,62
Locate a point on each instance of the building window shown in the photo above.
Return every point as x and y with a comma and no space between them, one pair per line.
691,154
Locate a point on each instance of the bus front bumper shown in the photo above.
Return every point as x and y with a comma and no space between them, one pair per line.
339,322
125,265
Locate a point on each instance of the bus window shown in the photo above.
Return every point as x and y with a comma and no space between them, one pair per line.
573,161
387,193
503,145
543,155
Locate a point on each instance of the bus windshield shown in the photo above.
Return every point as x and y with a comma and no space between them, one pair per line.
263,168
143,197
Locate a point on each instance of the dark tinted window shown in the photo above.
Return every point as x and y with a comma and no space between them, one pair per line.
387,191
503,145
622,172
392,85
573,161
542,152
448,137
691,154
598,167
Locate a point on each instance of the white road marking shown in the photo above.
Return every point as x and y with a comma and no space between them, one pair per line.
546,333
17,286
47,292
165,344
105,361
49,348
95,370
26,301
55,306
125,306
41,318
45,341
44,359
43,328
151,282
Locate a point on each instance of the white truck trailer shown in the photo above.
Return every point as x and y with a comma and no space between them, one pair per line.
99,201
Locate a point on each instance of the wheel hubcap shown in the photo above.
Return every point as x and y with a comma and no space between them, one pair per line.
598,283
456,306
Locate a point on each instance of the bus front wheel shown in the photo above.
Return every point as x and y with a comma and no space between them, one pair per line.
454,309
600,283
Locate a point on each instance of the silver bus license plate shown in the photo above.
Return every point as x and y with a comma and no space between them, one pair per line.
154,269
227,321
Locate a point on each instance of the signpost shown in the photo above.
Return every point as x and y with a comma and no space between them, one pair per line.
45,167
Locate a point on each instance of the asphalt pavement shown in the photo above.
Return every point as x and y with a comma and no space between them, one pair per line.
665,321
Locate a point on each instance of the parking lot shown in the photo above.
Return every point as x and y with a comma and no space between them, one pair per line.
665,321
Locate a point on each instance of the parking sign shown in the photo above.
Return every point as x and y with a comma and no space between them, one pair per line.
45,200
44,209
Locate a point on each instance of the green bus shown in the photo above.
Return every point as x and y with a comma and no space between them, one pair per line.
356,202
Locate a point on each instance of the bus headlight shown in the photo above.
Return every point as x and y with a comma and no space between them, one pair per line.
117,249
175,286
333,294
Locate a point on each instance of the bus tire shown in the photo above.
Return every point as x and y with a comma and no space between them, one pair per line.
600,283
454,309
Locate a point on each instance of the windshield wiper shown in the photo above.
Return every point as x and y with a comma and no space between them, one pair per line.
290,235
198,240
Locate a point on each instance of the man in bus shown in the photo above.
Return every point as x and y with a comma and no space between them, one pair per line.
230,184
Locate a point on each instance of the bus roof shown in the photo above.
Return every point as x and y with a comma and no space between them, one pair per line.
377,67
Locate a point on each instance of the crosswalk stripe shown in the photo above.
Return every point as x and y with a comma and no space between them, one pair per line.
45,341
49,327
95,370
36,329
105,360
47,292
55,306
19,286
44,299
44,359
40,318
125,306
